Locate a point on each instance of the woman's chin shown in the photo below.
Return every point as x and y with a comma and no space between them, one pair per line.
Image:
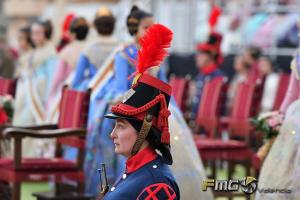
120,152
117,149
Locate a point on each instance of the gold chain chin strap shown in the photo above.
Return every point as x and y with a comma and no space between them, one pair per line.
147,123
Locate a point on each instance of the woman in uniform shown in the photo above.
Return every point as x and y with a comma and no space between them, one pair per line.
142,129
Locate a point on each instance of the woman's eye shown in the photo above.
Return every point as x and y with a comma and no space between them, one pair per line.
120,126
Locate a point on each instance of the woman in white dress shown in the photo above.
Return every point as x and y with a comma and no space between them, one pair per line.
281,168
36,75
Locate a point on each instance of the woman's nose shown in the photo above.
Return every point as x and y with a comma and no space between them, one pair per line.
113,134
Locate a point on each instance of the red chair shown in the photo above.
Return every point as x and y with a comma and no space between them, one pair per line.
243,108
8,86
70,131
238,126
180,90
283,84
212,99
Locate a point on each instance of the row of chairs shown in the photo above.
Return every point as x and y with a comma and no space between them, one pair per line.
70,131
181,85
239,147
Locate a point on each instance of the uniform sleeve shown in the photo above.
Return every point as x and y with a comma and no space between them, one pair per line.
158,191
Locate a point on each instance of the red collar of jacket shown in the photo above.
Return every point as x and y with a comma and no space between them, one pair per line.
140,159
209,69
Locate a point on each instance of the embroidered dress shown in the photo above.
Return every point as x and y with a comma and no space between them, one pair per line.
35,75
32,92
90,61
187,167
281,168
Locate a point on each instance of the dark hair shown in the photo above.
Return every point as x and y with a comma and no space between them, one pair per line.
26,31
246,65
134,18
48,28
79,27
105,25
254,51
154,137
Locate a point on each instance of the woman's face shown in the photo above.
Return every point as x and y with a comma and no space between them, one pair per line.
202,59
38,35
143,26
265,66
22,41
124,137
239,65
248,58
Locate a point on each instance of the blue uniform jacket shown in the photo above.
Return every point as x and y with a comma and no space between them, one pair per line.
145,177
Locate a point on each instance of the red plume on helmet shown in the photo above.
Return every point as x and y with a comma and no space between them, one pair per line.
213,44
214,16
153,48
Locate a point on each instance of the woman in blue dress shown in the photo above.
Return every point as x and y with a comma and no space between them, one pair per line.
92,57
96,52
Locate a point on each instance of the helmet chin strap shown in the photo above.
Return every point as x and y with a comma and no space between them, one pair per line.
146,126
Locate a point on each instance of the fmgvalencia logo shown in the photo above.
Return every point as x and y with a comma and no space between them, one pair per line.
248,185
269,190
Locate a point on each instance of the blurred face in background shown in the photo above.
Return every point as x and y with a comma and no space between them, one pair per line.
23,42
248,57
143,26
38,35
265,66
203,59
239,65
